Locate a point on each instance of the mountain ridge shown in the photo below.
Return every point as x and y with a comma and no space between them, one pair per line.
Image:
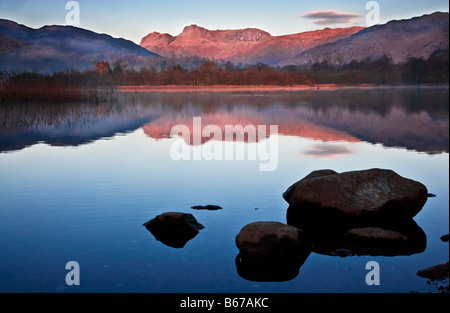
416,37
55,48
249,45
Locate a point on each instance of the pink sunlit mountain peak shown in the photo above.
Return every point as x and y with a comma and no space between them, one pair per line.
417,37
249,45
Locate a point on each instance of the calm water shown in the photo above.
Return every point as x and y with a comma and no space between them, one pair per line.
78,181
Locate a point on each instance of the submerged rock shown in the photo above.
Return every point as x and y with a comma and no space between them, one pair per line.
376,235
174,229
207,207
436,272
271,251
333,201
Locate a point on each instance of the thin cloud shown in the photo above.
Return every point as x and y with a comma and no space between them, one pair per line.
329,17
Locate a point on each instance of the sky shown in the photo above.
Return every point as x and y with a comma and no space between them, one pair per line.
134,19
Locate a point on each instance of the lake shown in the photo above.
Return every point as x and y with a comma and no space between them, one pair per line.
78,181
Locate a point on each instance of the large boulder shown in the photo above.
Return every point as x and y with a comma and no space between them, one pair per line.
338,202
271,251
174,229
290,191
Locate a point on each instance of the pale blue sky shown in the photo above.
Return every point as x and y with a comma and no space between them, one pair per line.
133,19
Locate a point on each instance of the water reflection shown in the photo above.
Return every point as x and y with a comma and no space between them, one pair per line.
331,243
107,193
411,118
327,151
415,243
270,272
73,124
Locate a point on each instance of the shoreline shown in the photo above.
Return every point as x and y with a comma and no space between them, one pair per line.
218,88
261,88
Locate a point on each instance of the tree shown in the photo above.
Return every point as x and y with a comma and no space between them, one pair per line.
102,68
117,68
208,67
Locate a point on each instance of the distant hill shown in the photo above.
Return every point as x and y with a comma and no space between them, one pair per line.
55,48
418,37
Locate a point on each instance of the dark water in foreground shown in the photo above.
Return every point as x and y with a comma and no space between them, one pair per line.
77,181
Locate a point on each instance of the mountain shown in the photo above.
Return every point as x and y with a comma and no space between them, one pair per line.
249,45
418,37
54,48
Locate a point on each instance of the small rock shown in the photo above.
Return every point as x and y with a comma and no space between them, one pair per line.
445,238
207,207
431,195
174,229
436,272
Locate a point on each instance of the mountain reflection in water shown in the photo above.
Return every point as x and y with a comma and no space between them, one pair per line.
411,118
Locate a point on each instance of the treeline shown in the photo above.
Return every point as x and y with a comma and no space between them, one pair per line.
383,71
66,86
207,74
86,86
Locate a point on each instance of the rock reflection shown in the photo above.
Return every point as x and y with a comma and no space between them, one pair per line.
331,243
281,271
